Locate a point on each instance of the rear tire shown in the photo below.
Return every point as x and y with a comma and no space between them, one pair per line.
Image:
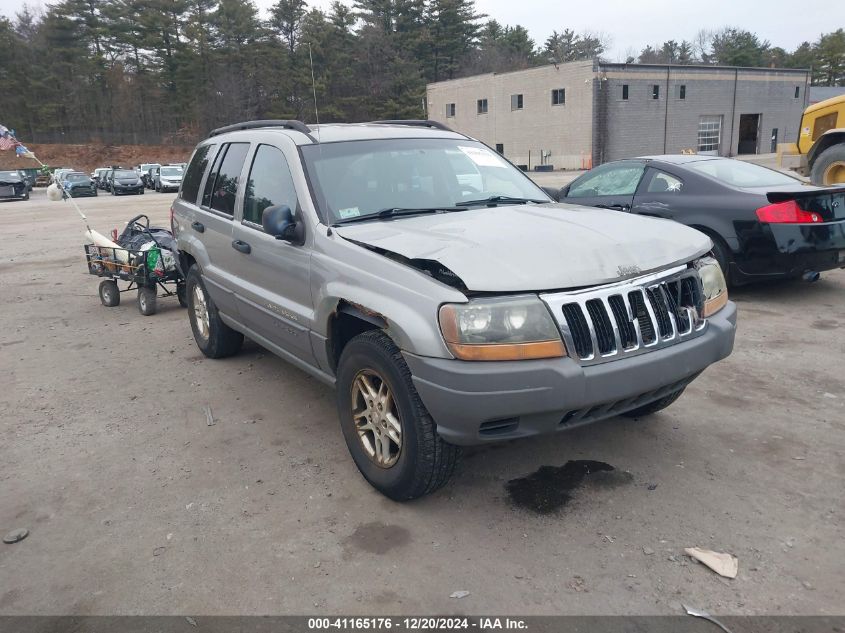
109,293
214,338
147,301
422,461
654,407
829,166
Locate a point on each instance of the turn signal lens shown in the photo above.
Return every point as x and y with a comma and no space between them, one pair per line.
787,213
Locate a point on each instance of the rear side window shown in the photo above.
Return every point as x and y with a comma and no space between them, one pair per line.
741,174
193,177
221,193
270,184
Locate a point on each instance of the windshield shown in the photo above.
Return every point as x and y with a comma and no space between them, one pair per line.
741,174
9,175
171,171
360,178
125,173
77,177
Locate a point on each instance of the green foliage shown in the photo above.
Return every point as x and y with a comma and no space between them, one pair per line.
129,71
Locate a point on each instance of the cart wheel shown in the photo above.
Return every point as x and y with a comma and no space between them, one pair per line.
147,301
181,294
109,293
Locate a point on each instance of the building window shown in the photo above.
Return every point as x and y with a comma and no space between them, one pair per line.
797,91
450,109
624,92
682,92
482,106
709,133
559,96
516,102
655,91
500,148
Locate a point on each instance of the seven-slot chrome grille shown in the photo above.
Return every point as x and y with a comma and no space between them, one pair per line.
624,319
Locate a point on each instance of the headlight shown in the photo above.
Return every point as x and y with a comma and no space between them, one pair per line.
715,288
518,328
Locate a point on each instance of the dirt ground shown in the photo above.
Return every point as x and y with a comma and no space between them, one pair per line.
92,155
134,505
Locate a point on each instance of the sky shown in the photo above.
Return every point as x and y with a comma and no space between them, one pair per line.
630,25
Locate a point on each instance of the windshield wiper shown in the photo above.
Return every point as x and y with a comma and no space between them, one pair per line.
397,212
493,201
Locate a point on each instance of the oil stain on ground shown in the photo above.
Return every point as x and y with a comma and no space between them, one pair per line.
551,487
378,538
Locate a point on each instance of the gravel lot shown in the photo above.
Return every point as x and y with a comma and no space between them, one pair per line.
136,506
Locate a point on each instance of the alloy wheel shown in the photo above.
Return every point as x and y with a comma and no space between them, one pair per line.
201,312
376,418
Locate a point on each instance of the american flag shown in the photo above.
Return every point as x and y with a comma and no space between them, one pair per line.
7,142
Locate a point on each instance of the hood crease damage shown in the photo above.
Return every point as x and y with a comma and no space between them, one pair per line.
531,248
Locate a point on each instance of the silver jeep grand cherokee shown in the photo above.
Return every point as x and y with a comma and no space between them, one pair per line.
447,297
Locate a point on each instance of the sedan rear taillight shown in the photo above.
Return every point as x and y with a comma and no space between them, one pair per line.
787,213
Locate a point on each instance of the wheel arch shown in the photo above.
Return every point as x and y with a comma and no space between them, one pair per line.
825,141
347,321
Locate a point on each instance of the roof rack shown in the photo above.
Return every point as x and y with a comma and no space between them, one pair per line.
416,123
299,126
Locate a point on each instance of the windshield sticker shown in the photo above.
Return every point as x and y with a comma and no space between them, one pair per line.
482,157
351,212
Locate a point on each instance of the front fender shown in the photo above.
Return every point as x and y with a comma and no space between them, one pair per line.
405,298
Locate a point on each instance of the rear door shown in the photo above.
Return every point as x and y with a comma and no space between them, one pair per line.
610,186
274,295
213,220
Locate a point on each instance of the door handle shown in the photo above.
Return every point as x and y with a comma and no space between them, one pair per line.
620,207
241,246
199,227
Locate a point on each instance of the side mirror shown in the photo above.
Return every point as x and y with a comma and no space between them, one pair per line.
278,221
564,191
553,193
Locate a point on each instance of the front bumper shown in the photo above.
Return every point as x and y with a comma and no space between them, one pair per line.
119,189
479,402
76,192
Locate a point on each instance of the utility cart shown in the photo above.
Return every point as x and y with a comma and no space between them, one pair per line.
145,258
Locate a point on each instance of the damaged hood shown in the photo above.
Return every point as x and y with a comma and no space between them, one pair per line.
535,247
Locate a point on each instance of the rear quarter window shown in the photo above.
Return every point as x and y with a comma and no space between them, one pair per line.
193,176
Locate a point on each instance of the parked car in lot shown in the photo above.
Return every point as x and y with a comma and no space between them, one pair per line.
764,224
123,181
144,173
167,178
13,185
59,174
78,184
444,313
99,176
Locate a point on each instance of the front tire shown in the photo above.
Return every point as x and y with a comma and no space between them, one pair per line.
654,407
390,434
214,338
